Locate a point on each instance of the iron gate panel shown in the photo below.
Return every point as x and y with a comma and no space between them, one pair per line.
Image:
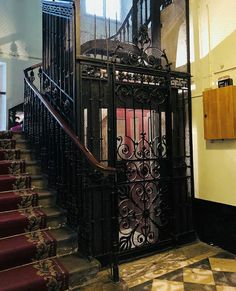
138,120
143,156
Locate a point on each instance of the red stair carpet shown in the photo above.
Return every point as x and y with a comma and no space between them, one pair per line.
12,167
27,250
14,199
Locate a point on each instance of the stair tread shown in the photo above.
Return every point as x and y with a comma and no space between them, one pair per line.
33,276
18,190
22,249
11,161
25,150
61,233
18,199
18,134
41,192
21,221
53,211
49,211
31,163
11,182
74,264
11,175
21,140
37,177
6,139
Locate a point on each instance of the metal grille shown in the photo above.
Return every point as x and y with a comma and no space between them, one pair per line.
58,80
142,158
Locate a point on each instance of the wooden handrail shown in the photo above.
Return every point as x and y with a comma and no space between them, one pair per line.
90,157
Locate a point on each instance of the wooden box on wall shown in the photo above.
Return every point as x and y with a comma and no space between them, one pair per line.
219,108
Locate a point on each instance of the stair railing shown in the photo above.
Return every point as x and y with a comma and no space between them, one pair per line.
85,187
138,15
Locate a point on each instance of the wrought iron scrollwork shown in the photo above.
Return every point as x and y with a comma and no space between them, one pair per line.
94,72
139,56
128,149
141,94
142,212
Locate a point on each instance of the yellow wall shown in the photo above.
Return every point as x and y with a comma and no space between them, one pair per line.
214,27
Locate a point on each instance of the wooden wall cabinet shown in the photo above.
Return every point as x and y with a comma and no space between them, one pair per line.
219,108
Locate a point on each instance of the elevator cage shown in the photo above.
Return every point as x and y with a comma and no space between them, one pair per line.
118,72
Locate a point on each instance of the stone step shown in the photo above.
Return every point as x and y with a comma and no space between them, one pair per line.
18,221
36,245
18,135
67,240
32,167
55,217
22,144
79,269
39,181
46,197
5,134
27,154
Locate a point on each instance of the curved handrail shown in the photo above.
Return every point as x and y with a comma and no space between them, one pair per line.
123,24
129,15
90,157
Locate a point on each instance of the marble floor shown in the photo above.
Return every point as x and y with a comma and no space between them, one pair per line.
194,267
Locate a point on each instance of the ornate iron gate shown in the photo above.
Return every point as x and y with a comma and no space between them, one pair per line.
143,156
153,159
136,118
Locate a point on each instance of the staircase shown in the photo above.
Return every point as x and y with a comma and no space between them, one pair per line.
38,251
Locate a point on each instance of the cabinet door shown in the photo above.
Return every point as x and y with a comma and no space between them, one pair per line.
211,115
226,96
220,113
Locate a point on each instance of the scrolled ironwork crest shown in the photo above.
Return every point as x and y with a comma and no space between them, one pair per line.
139,56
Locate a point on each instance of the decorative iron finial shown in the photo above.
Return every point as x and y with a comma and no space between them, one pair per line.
142,38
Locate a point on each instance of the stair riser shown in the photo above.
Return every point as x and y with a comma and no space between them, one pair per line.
22,145
22,227
63,247
28,156
33,169
18,136
67,246
47,201
12,167
42,201
82,279
9,155
56,221
39,183
11,182
16,202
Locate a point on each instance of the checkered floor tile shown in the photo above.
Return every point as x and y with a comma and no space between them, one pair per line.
216,273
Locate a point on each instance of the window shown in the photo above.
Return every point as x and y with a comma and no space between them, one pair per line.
104,8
